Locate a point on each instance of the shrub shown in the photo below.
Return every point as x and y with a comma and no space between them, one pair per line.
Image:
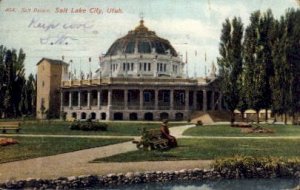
88,126
250,167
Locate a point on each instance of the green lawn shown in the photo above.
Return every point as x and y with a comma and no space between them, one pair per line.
226,130
192,149
114,128
33,147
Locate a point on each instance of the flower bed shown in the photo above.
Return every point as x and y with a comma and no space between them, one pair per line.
88,126
7,141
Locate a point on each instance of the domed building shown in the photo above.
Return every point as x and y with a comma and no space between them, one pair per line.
141,77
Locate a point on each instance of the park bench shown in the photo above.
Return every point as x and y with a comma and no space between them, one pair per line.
5,126
152,139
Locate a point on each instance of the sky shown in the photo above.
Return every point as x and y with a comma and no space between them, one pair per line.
81,29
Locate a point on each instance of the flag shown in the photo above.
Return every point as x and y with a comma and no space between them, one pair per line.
90,59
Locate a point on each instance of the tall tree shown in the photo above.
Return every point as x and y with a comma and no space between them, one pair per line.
14,80
230,62
293,58
258,60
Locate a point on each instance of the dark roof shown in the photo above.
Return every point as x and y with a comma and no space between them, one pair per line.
141,40
53,61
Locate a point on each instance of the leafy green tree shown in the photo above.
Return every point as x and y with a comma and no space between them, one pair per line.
230,62
258,42
293,59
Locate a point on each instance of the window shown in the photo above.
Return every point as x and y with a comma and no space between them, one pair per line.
165,67
181,97
149,66
145,66
147,96
157,67
43,84
165,97
132,64
124,67
160,67
127,66
140,66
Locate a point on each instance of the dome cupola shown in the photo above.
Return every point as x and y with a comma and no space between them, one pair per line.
141,40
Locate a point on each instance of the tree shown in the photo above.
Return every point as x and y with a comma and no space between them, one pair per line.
293,59
258,61
230,62
13,77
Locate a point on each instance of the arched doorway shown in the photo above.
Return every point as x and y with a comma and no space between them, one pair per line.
133,116
103,116
93,115
74,115
118,116
83,115
148,116
164,115
179,116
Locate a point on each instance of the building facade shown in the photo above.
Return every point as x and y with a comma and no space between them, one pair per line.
141,77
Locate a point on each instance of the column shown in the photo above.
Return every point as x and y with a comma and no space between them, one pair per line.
99,99
212,103
156,100
79,99
126,99
186,100
171,99
109,94
61,100
204,101
108,114
89,99
220,101
195,100
70,99
141,99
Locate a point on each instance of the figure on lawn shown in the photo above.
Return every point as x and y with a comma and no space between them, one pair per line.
172,142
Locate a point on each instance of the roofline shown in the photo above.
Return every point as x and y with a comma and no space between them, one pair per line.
54,60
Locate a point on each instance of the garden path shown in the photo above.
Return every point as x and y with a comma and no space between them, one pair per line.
77,163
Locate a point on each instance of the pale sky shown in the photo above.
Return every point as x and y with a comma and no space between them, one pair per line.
191,26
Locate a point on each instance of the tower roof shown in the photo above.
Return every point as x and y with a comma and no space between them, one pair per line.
53,61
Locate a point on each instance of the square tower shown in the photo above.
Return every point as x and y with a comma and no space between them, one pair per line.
49,76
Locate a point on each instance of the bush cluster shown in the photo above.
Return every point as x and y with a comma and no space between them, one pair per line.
88,126
248,166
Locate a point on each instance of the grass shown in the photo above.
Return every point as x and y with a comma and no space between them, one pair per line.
193,149
226,130
114,128
29,147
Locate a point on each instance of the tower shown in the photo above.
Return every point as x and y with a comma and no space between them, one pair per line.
49,76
